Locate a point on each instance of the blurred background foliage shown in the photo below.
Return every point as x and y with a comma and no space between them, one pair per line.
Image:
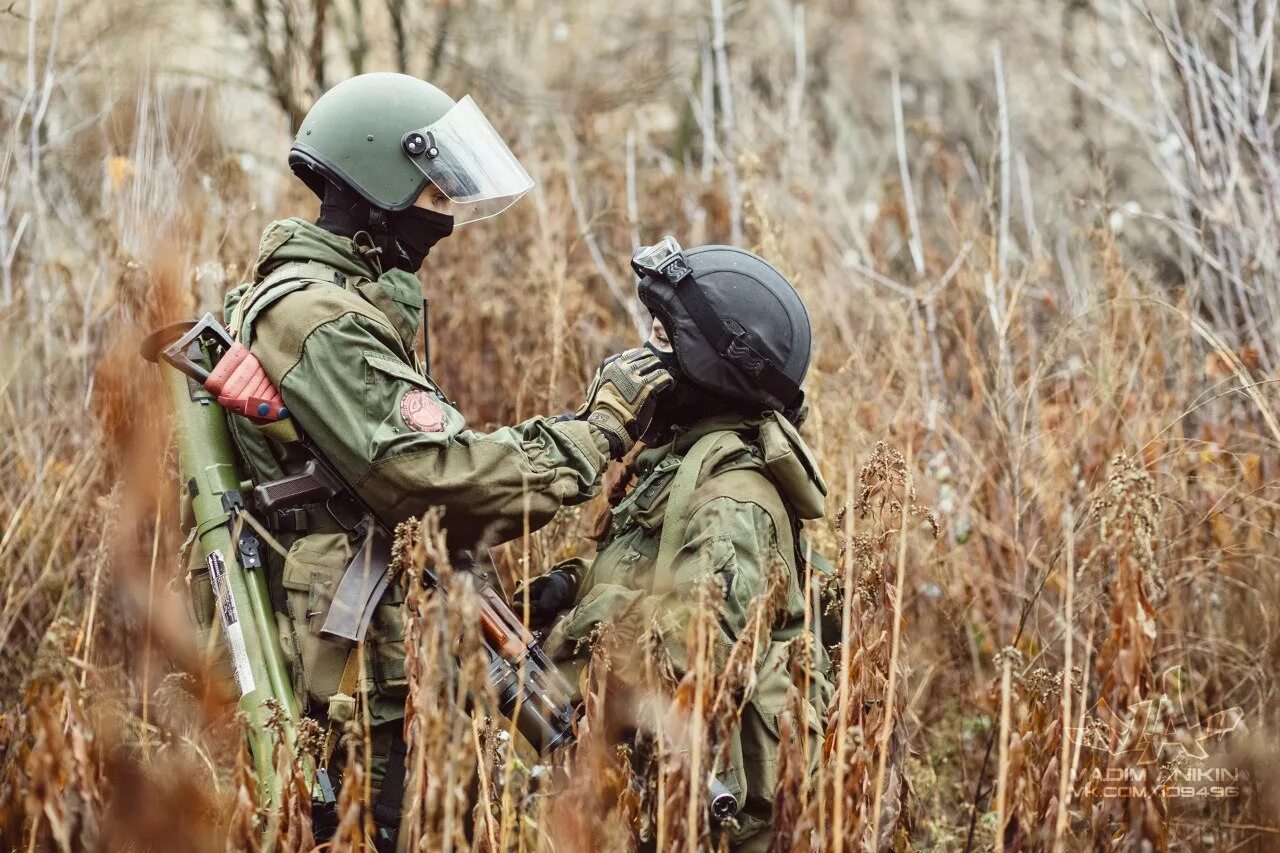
1038,242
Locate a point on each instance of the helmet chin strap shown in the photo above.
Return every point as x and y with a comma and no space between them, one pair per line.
684,403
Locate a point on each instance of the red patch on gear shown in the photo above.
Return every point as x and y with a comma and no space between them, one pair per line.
421,412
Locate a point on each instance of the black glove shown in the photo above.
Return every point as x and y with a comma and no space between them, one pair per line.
549,594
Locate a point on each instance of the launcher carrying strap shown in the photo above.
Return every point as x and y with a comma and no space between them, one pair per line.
254,299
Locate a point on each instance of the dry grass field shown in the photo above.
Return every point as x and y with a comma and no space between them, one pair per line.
1039,242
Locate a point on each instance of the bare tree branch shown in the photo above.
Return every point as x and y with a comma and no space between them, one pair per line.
319,20
395,11
442,35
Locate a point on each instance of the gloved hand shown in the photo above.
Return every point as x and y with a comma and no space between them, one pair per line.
620,400
548,595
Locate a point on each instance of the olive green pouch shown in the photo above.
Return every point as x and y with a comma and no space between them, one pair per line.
386,644
312,569
199,587
791,465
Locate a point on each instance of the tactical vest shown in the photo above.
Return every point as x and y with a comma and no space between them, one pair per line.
758,462
761,462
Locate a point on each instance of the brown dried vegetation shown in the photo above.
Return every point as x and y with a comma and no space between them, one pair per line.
1038,244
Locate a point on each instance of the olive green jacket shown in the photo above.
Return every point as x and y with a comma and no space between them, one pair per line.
735,519
337,337
339,344
742,520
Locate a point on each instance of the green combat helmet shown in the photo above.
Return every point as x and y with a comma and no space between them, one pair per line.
386,135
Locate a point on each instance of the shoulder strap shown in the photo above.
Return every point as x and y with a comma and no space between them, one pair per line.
679,511
734,346
284,274
748,481
675,519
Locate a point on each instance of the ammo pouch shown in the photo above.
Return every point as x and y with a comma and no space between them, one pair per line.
313,567
770,697
791,465
200,595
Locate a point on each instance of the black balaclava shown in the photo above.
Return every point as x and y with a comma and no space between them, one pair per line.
416,230
404,237
683,404
343,211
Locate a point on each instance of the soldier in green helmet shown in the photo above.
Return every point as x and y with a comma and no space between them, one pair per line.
720,492
332,314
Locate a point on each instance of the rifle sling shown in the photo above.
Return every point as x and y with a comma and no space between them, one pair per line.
346,687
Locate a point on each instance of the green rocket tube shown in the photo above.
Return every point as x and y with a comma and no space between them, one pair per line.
206,462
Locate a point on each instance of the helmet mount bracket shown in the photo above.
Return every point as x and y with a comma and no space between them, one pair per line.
416,144
664,259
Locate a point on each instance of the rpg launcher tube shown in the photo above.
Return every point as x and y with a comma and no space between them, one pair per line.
232,555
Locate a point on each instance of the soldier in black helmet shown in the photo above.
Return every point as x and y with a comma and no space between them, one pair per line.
720,492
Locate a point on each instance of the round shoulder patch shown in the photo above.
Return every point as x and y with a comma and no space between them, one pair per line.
421,412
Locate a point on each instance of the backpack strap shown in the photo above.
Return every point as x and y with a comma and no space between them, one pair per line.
249,438
675,520
746,481
254,300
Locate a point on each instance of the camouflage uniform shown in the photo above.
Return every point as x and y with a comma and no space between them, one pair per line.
337,337
749,490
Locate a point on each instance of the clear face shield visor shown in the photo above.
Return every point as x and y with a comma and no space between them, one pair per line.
467,160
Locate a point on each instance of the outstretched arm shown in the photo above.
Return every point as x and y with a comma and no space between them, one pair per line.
392,436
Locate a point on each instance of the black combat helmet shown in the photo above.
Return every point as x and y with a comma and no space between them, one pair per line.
738,328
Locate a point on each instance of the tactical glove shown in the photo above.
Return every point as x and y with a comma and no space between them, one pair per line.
621,397
548,595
